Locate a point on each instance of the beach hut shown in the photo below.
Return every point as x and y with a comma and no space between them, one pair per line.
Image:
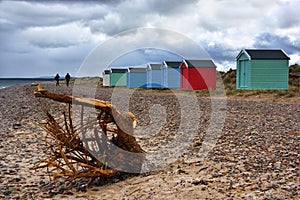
171,74
106,77
197,75
154,76
137,77
262,69
118,76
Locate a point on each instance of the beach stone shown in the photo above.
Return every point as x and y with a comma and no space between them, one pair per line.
17,125
17,179
255,157
7,192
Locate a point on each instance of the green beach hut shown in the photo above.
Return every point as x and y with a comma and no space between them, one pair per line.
118,76
261,69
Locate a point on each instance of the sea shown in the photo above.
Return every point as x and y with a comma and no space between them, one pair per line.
7,82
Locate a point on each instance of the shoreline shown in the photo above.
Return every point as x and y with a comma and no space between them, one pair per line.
9,82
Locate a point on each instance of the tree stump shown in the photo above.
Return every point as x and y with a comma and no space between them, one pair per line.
71,156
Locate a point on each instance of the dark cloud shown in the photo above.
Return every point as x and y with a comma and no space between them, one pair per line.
53,44
110,2
42,62
269,40
49,33
221,53
144,56
167,8
287,14
130,14
24,14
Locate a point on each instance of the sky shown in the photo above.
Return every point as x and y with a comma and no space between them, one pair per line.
42,38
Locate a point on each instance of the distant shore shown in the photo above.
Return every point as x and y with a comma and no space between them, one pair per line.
7,82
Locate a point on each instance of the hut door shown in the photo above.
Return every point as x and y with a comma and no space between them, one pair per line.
243,77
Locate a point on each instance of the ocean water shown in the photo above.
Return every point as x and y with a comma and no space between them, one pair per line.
7,82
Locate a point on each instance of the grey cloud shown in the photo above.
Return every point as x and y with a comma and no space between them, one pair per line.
287,14
63,31
221,53
170,7
21,14
111,2
53,44
132,14
109,17
144,56
43,62
268,40
222,14
112,24
139,39
24,14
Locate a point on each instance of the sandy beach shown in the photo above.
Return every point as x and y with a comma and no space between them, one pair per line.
257,155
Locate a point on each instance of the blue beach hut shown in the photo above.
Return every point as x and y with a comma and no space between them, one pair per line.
171,74
137,77
154,76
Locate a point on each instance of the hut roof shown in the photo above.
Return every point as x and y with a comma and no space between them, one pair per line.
200,63
264,54
118,70
173,64
138,69
154,66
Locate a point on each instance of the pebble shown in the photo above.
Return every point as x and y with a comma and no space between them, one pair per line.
256,156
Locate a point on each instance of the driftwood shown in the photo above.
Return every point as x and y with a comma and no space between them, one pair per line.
73,153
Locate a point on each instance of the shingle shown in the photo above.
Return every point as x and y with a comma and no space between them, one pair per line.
200,63
262,54
107,71
118,70
155,66
138,70
173,64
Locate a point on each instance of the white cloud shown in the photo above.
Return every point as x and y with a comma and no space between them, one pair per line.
61,36
295,58
286,14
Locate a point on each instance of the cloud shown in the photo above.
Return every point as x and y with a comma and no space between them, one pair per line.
62,36
273,41
143,38
221,52
167,8
23,14
54,30
286,14
130,14
144,56
219,15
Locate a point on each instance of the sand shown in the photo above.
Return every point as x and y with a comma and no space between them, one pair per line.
256,155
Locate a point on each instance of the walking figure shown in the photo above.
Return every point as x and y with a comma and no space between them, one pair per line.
57,79
67,77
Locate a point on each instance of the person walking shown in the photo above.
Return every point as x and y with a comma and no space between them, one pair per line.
67,77
57,79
